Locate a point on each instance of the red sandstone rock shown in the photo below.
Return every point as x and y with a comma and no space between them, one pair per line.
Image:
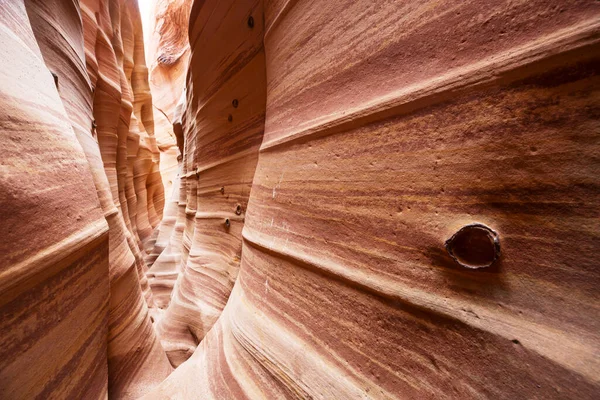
334,156
121,108
54,253
167,54
389,126
100,330
165,257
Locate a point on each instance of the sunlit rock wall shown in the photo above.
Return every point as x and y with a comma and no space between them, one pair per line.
167,55
389,126
313,245
77,295
124,125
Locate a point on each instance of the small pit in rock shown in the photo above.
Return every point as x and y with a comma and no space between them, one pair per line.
474,246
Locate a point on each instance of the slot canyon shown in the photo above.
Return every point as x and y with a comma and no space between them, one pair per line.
299,199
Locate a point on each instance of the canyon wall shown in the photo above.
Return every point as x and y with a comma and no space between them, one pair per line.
81,204
357,199
223,123
124,118
167,54
54,262
395,135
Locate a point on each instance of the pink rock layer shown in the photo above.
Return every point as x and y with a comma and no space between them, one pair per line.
329,149
54,254
388,126
124,125
77,295
167,55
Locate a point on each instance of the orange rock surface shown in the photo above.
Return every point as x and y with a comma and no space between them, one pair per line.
388,126
315,200
91,278
167,55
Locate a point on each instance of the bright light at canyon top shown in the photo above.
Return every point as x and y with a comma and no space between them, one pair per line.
145,11
146,8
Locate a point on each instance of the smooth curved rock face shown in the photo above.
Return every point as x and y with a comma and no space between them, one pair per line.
54,256
369,203
124,125
386,132
167,55
220,155
74,275
165,268
165,258
168,52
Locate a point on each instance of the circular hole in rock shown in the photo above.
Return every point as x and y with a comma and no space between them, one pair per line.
474,246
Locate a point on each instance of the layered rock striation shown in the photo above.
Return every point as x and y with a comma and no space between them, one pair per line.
108,195
388,127
370,199
223,124
54,262
168,56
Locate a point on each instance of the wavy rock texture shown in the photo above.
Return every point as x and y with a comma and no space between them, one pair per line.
54,254
89,283
220,156
329,149
386,131
167,54
165,258
123,115
165,270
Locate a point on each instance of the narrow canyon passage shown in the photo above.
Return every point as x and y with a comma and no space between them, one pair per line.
313,199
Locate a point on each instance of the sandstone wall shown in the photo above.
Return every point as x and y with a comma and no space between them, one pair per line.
54,254
124,125
83,316
388,127
374,200
223,124
167,55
